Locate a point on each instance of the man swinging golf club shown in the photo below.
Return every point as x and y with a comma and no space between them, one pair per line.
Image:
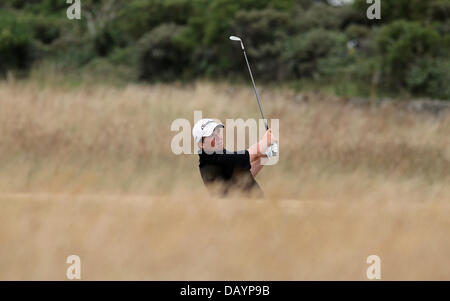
231,170
223,171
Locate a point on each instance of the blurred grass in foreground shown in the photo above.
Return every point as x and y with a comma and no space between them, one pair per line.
194,238
89,171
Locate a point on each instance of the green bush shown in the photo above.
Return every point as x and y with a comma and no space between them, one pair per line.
304,53
318,16
430,77
160,56
440,10
438,86
72,54
45,29
402,44
103,43
123,56
265,32
138,17
213,22
357,32
295,40
16,46
43,7
415,58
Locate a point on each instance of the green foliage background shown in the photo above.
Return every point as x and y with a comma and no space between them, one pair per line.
302,42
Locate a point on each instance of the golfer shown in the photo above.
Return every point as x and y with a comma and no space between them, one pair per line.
224,172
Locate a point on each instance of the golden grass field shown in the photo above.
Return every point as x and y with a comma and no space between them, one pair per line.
89,171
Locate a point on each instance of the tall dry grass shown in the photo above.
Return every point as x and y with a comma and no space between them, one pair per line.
89,171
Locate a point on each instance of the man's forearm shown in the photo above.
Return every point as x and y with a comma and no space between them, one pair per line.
256,154
256,166
255,151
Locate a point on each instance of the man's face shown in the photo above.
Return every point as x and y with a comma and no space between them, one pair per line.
215,141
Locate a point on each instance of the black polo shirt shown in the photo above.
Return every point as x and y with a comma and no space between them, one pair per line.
230,170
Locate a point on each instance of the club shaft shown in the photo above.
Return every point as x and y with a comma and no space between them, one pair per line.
256,92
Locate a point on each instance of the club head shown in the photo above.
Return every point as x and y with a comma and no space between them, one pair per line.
234,38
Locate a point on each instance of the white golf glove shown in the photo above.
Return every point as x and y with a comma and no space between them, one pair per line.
272,150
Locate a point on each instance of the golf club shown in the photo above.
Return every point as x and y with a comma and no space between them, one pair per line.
233,38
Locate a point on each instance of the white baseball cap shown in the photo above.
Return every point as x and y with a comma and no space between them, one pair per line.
204,128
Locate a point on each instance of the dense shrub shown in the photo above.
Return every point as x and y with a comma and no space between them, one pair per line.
16,46
304,53
47,7
430,77
138,17
357,32
318,16
160,56
440,10
265,32
214,21
403,45
45,29
295,40
103,43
